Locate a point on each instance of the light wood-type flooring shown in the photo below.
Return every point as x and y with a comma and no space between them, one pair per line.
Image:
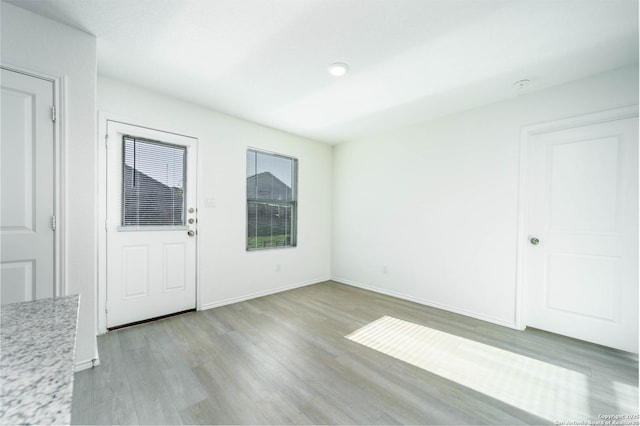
283,359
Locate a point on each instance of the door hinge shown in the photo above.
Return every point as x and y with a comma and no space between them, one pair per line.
106,141
53,114
54,223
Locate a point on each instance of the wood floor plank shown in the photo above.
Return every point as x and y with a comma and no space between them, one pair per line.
283,359
150,392
119,409
192,353
184,387
278,409
132,338
204,412
113,399
322,411
404,401
83,407
229,404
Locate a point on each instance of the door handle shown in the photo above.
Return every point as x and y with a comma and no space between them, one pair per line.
534,241
191,233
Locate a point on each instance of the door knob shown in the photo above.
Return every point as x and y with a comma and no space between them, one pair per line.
534,241
191,233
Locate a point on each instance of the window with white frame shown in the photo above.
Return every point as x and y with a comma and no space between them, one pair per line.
272,200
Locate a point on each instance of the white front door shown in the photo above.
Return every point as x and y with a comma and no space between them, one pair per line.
582,244
151,223
27,191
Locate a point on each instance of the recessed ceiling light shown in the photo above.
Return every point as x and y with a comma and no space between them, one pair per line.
338,69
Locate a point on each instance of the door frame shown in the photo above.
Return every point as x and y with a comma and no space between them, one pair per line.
103,118
526,139
59,133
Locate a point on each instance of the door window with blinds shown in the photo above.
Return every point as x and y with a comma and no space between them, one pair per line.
153,183
271,200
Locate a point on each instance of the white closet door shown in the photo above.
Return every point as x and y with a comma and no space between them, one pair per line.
27,188
582,253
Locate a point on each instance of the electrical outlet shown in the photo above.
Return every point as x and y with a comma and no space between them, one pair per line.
277,267
209,202
385,270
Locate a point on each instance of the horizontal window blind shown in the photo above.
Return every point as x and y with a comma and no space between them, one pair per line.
271,200
153,183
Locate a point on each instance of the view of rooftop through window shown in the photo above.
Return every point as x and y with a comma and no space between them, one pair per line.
153,183
278,166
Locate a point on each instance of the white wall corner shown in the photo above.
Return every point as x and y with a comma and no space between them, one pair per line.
232,300
426,302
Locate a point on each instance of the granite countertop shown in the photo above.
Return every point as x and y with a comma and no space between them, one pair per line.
38,345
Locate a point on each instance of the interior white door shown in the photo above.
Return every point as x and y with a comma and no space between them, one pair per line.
151,223
582,248
27,188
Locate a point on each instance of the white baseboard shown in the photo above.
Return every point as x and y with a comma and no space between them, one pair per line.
232,300
426,302
86,364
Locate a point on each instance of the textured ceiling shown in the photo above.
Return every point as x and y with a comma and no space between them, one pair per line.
266,60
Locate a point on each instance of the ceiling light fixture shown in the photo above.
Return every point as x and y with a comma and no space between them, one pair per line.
521,84
338,69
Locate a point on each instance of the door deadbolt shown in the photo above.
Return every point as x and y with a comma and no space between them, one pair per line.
534,241
191,233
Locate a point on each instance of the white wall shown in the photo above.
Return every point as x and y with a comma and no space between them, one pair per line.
62,52
228,272
437,202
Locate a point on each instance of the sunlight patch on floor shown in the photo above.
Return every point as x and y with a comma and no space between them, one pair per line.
545,390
